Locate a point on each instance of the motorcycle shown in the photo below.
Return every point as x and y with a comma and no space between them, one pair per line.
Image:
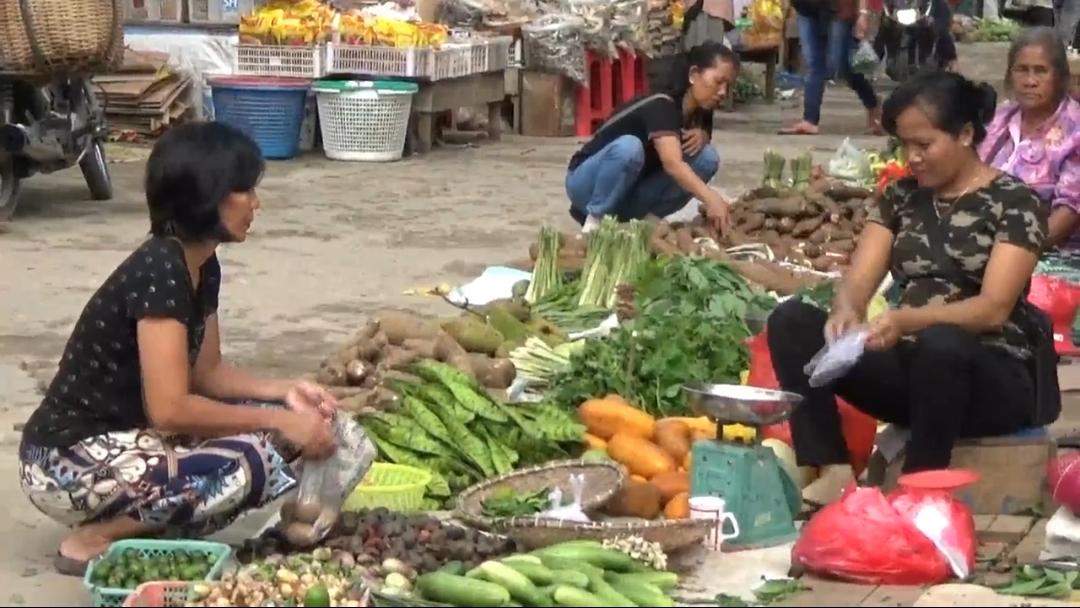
906,38
47,128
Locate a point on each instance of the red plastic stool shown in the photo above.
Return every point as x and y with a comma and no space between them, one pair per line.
1059,299
630,78
596,101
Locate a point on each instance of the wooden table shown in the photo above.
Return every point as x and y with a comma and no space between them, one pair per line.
440,96
769,55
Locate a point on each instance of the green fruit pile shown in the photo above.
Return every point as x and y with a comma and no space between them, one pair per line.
131,568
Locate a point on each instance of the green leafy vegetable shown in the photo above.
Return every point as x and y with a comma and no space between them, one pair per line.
505,502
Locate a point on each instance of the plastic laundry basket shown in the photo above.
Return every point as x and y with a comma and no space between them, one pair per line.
364,120
269,110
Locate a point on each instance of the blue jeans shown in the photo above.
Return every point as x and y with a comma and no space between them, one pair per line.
827,45
610,183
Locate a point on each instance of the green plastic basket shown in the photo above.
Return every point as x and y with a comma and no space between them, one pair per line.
112,596
394,486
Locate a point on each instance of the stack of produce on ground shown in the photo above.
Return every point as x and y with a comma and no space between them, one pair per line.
815,228
578,573
319,578
445,423
687,323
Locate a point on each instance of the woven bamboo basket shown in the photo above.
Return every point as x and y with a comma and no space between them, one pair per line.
47,37
602,480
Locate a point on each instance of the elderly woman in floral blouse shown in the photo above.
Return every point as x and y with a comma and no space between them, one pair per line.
1037,137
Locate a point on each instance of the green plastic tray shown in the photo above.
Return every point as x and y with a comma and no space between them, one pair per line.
113,596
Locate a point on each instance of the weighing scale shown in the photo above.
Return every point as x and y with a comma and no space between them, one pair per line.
749,477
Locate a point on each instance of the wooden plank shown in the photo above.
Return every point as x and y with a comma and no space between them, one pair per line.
893,595
1028,549
828,593
1007,529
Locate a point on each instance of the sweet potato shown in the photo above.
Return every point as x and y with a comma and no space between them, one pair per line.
781,207
820,235
812,250
611,415
840,191
770,223
636,500
803,228
753,222
400,326
840,246
640,455
769,235
674,437
760,274
671,484
786,225
832,209
822,263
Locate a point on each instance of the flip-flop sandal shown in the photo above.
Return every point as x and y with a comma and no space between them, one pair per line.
69,566
796,132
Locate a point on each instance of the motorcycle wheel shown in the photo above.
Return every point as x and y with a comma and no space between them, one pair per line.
96,172
9,189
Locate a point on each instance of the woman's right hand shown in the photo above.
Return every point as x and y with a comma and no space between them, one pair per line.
309,432
842,320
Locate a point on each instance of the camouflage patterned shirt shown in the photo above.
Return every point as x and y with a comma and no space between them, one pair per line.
1003,211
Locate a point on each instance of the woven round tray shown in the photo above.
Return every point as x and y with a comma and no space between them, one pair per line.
671,534
602,480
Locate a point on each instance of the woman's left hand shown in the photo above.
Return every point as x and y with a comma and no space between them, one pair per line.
305,395
887,329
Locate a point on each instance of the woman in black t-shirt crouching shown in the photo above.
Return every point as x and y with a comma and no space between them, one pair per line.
654,153
134,434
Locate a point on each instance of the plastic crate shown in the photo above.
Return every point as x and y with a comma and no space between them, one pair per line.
269,110
153,11
393,486
364,120
279,61
498,53
407,62
111,596
220,11
159,594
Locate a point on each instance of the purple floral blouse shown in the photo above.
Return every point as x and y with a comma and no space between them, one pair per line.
1048,161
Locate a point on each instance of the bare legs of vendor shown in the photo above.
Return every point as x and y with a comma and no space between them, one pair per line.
610,183
943,385
91,540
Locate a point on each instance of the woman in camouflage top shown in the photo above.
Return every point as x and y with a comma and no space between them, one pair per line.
952,361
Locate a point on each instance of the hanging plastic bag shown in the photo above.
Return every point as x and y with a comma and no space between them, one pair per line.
555,43
865,60
858,429
870,539
325,484
835,360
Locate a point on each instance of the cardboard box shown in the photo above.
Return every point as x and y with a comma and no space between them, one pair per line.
547,105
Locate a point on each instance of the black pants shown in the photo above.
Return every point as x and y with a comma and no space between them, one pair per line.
943,386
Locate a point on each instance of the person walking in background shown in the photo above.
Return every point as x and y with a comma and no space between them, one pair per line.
1067,16
828,30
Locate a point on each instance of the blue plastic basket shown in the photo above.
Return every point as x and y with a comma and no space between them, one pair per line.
269,110
111,596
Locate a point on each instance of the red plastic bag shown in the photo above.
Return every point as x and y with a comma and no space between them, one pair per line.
1059,299
859,429
1064,476
870,539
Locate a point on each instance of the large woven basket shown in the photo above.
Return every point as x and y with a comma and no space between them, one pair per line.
671,534
46,37
602,480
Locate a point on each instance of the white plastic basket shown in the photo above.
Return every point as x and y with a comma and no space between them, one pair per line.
364,120
453,60
283,61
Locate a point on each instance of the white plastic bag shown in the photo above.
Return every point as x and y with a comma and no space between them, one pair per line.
572,511
850,163
328,482
835,360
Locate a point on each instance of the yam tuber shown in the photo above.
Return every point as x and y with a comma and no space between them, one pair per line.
821,263
400,326
753,222
840,246
793,206
492,373
770,223
787,224
398,358
684,240
661,248
812,250
839,191
356,371
661,230
425,349
332,374
803,228
446,348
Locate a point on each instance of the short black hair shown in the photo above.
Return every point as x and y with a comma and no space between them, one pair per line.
192,169
952,103
1051,43
701,56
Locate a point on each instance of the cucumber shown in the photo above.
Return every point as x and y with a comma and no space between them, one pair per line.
537,573
601,589
643,594
665,581
475,573
606,559
572,596
461,591
522,558
572,578
520,587
580,567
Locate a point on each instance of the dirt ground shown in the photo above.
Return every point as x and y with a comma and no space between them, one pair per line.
332,243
